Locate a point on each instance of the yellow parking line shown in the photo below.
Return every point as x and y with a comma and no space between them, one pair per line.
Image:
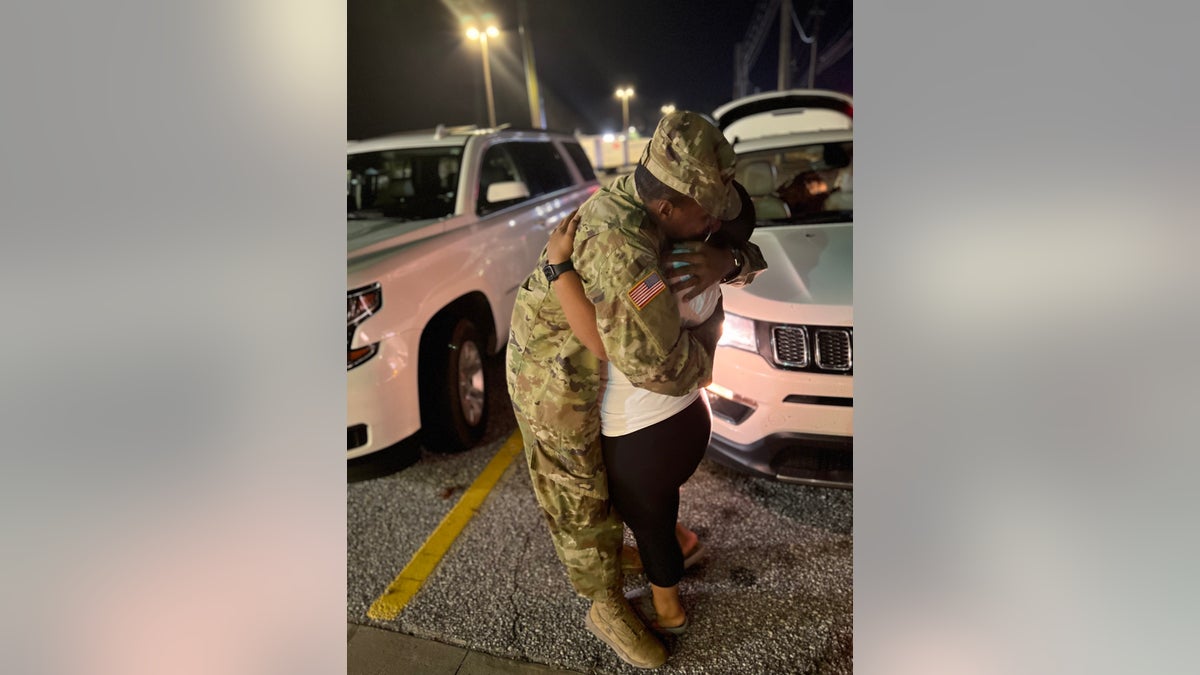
409,581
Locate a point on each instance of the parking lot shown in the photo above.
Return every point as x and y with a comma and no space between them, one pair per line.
773,596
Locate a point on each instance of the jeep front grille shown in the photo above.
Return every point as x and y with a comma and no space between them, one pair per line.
833,349
811,348
791,346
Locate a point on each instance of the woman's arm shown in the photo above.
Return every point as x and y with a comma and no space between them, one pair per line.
568,288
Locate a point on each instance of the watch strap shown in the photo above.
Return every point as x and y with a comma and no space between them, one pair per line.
554,271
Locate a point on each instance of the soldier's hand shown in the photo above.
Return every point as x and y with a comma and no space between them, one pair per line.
562,239
695,265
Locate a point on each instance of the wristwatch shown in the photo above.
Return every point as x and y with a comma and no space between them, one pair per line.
737,266
553,272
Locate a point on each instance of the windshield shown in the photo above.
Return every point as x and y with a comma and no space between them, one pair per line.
409,184
801,184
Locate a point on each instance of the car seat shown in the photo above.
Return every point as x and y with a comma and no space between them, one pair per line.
395,192
759,180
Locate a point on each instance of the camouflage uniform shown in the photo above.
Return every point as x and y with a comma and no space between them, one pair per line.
554,380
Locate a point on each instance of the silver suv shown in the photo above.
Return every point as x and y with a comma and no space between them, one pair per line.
442,227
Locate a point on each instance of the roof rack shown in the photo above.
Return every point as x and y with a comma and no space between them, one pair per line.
468,129
442,130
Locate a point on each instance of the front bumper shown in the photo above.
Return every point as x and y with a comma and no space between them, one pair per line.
382,399
789,425
806,459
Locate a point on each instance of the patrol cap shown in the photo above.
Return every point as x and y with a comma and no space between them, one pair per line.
692,156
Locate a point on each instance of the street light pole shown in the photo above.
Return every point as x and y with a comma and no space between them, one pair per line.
536,115
475,34
487,82
625,93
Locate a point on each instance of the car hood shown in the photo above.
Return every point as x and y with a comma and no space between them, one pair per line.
364,236
809,276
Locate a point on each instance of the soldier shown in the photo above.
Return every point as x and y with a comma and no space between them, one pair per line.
554,380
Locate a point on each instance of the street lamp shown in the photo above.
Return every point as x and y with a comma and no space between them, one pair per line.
475,34
668,109
625,93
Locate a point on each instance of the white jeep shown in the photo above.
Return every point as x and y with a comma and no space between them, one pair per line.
783,377
442,228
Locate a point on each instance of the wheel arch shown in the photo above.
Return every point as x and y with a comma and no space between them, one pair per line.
473,306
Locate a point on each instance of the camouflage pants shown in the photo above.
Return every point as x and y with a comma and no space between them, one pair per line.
571,485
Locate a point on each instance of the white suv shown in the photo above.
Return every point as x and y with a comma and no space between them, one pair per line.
442,229
783,377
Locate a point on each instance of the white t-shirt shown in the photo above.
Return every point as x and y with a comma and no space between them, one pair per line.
625,408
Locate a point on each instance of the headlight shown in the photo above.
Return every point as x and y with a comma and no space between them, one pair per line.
738,331
361,304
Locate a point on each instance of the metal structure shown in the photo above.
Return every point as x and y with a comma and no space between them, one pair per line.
746,52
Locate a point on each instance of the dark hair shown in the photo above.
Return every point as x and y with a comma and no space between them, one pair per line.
737,230
650,188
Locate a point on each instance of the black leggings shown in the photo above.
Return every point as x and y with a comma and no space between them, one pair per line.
645,470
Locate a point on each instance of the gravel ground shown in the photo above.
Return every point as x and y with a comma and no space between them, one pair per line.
774,594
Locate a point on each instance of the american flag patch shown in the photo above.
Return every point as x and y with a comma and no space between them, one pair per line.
646,289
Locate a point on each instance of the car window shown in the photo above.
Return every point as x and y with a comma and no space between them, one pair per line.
497,167
544,168
581,160
411,183
804,183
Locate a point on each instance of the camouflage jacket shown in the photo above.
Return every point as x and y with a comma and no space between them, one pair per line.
553,379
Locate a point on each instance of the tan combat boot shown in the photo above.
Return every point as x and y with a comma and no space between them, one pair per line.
631,560
614,621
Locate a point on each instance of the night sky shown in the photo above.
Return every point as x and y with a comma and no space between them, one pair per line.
410,65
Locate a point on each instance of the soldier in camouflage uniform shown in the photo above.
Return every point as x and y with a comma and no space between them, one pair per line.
554,380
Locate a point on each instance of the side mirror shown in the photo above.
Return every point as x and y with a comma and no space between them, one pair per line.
504,191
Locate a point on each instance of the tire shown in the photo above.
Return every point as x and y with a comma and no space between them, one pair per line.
454,386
